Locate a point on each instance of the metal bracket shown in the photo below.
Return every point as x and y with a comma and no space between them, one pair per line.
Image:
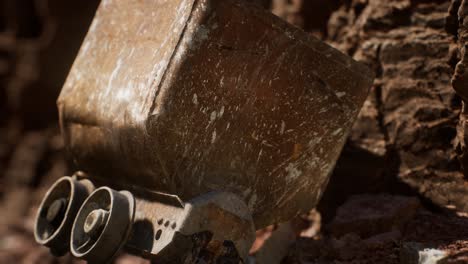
216,225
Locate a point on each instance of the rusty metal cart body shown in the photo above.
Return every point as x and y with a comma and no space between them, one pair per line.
216,117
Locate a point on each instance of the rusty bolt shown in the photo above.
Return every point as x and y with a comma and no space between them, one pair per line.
95,222
56,210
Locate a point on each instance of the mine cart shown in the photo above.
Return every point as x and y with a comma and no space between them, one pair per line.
192,123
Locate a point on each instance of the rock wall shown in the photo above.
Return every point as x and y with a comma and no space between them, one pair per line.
409,123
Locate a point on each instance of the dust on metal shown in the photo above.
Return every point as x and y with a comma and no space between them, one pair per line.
219,120
220,96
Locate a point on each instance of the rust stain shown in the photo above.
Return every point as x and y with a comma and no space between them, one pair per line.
204,102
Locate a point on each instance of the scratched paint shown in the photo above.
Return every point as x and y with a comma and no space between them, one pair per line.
218,96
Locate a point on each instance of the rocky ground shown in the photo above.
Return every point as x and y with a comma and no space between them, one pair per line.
399,193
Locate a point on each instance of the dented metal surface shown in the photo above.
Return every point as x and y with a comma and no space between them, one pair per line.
192,96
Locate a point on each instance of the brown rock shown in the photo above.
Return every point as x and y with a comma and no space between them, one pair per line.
411,118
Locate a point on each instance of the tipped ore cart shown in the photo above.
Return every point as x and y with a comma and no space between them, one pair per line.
191,124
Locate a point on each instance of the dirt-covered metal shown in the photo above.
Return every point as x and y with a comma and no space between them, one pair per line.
188,97
215,115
